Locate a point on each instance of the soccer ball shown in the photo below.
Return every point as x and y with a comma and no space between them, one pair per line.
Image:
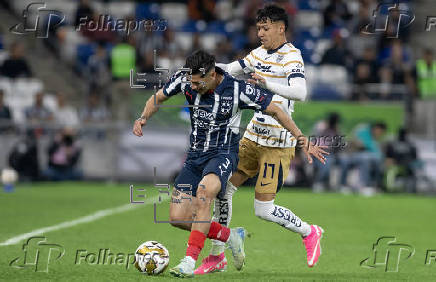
152,258
9,176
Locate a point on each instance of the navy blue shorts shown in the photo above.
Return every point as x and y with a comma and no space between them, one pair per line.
197,165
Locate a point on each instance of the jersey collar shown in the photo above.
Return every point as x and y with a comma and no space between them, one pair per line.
272,51
219,86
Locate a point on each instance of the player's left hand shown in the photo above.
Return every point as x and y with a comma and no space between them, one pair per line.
317,151
257,80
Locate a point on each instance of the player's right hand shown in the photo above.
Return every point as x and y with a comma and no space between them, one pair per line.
137,126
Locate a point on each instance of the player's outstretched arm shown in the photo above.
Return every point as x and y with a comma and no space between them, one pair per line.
308,148
233,68
295,91
150,108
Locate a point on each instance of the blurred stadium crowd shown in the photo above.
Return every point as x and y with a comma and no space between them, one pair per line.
341,64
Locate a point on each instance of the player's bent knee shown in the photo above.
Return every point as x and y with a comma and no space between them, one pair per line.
180,221
263,209
204,200
210,183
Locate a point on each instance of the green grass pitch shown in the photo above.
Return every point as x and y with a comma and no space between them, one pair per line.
352,225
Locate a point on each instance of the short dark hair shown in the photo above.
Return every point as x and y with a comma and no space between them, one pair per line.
379,124
428,51
274,13
200,59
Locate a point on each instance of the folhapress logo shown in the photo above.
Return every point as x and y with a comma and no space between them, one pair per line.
39,20
389,18
38,254
387,253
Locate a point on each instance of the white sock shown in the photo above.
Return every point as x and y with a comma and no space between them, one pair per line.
191,261
222,213
267,210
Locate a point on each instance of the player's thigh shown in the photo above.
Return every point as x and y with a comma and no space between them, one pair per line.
248,165
216,173
185,188
208,189
238,178
181,206
274,166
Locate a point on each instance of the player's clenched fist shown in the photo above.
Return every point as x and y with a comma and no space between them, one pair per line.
137,126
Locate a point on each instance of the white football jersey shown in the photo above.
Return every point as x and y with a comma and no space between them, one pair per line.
278,66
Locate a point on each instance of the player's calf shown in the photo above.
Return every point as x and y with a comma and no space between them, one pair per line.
268,211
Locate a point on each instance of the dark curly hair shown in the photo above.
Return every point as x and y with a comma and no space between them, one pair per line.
274,13
200,60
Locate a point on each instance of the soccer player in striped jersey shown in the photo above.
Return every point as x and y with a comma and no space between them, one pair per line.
216,100
267,148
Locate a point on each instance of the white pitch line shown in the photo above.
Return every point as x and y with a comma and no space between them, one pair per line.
85,219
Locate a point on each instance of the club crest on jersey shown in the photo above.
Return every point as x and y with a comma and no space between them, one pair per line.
279,58
226,106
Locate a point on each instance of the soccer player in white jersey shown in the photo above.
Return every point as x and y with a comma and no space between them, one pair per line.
267,148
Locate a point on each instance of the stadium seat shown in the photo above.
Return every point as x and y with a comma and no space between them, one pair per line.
84,51
121,9
357,44
147,11
209,41
326,82
19,94
175,13
308,5
184,40
325,92
216,27
72,39
309,19
6,86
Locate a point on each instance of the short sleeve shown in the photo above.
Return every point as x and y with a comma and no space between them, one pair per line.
253,97
294,66
174,85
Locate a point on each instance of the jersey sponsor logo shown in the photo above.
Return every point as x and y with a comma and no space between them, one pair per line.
206,125
259,96
223,211
261,130
259,66
286,215
249,89
300,70
203,114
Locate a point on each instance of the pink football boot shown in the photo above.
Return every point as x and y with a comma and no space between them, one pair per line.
312,242
212,264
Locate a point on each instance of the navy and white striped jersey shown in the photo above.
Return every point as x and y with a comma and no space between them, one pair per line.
216,115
